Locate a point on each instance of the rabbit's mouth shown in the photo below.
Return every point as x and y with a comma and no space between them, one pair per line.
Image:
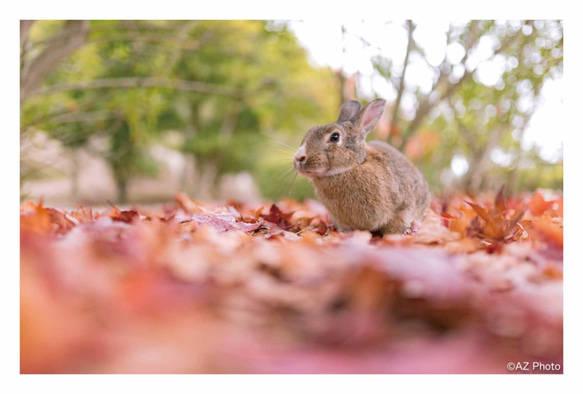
304,168
307,172
311,172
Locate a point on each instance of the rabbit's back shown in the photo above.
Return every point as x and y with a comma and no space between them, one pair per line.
409,186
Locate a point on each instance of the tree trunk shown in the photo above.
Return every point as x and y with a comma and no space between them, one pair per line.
122,191
479,163
75,170
394,125
475,176
188,174
207,177
512,184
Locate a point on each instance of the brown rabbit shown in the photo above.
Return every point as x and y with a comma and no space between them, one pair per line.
365,186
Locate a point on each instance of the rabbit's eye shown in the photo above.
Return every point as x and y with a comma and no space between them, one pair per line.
334,137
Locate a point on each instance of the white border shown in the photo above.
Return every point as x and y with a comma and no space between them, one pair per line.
298,9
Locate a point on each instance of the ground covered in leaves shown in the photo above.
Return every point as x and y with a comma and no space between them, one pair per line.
274,288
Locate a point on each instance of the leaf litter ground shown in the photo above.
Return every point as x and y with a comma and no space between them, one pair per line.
274,288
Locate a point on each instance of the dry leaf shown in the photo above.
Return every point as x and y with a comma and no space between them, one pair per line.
252,288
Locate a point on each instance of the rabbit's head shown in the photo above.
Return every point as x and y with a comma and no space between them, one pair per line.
338,147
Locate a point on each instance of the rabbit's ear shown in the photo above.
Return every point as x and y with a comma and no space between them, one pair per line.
348,110
368,117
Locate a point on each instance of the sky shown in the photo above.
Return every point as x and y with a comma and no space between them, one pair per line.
323,41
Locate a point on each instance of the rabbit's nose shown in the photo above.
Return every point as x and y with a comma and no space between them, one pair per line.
300,159
300,155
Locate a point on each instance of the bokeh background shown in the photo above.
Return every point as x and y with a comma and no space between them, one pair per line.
136,111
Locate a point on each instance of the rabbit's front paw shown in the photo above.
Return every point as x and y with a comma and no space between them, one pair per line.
411,228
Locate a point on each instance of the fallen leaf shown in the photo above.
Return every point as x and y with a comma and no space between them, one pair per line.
537,204
188,204
260,287
124,216
83,215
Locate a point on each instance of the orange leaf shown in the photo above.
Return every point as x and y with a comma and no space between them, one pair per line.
35,218
188,204
83,215
550,232
558,211
124,216
551,271
538,205
460,224
492,229
29,206
60,219
499,203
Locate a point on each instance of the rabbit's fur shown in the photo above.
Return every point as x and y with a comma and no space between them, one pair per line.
365,186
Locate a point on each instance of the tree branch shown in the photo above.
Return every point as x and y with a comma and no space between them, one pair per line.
468,137
177,52
25,26
410,45
149,82
163,39
82,117
55,51
426,105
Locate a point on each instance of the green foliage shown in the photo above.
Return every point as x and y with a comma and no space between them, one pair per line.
542,176
257,87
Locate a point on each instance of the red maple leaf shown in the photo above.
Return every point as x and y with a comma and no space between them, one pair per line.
497,225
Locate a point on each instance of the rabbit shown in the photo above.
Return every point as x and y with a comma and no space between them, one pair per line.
364,186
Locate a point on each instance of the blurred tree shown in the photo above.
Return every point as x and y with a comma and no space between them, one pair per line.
227,87
53,43
280,93
224,93
473,114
